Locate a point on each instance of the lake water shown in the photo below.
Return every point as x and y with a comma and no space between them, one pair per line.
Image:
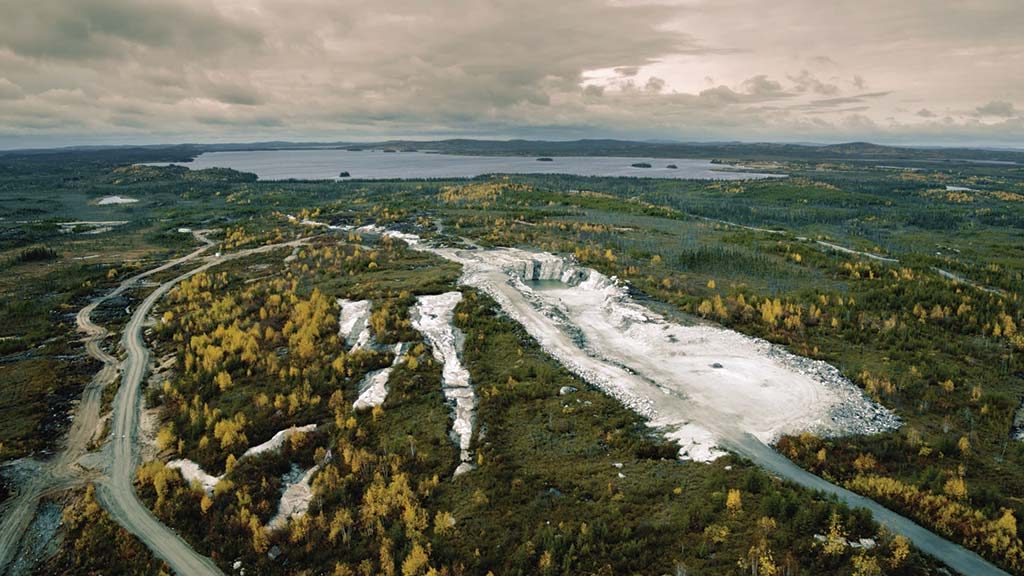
377,165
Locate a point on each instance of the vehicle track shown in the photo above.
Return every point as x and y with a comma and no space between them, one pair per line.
672,407
62,471
117,489
953,555
845,250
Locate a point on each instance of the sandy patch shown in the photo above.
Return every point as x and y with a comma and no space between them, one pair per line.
193,472
277,440
373,390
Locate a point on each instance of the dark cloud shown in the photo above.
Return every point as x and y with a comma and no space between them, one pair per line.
719,96
654,84
807,82
763,87
238,69
998,108
859,123
241,120
230,92
87,29
844,100
840,110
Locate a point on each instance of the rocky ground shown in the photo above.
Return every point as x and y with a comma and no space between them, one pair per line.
699,383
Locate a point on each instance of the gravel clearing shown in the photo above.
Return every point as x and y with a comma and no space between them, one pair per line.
703,385
42,540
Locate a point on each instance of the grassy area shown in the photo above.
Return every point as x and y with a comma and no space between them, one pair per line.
546,496
945,356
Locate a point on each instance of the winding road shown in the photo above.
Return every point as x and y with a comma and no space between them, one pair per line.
838,248
116,490
63,471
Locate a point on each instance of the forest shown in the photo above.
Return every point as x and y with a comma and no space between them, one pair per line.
922,311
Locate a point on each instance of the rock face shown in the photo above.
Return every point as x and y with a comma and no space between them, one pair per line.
296,497
534,266
373,390
353,323
433,317
662,370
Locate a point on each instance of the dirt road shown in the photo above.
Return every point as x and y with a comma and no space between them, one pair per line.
638,388
953,555
117,490
62,472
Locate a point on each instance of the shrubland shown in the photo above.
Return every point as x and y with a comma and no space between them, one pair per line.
256,351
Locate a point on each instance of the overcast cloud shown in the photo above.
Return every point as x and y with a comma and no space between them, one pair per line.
914,71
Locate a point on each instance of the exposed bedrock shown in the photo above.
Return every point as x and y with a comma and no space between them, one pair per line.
432,317
702,384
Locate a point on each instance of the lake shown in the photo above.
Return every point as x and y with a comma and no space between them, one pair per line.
323,164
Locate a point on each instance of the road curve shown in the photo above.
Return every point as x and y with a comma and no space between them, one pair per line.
591,366
61,472
117,491
953,555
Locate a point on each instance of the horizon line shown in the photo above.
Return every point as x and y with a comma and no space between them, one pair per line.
651,142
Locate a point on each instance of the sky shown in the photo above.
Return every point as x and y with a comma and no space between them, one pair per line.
935,72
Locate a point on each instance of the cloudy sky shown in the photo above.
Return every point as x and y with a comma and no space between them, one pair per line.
907,71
